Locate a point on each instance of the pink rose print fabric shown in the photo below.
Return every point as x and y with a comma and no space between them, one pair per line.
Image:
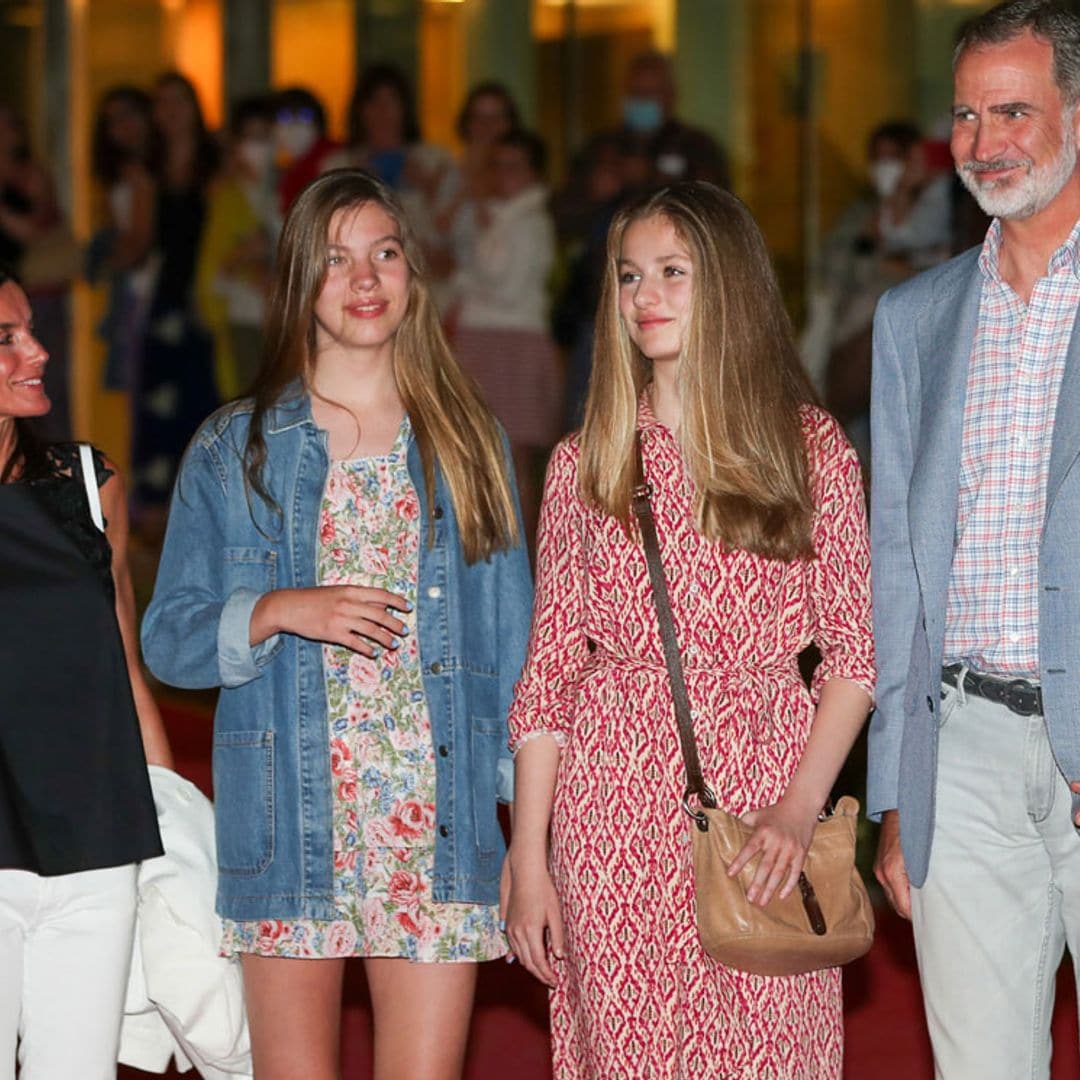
381,752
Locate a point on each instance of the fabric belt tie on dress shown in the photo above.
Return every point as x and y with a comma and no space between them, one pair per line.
1019,696
766,680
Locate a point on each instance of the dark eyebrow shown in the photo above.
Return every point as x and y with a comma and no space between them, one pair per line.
658,259
381,240
1013,106
4,327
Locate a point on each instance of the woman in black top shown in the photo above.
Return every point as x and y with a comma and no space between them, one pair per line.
77,727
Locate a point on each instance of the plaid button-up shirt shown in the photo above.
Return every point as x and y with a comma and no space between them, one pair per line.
1017,360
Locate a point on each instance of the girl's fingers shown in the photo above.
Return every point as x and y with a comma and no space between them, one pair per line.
532,952
380,597
528,945
761,878
556,936
539,951
377,616
532,959
792,879
374,633
780,868
749,850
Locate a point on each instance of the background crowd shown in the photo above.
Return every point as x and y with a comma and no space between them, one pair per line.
373,306
188,221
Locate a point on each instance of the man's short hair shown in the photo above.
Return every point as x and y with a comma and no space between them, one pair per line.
1049,20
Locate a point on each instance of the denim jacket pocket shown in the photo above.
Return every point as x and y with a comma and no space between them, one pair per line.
244,796
488,734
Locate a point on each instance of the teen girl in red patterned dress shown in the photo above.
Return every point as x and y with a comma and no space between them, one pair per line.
759,508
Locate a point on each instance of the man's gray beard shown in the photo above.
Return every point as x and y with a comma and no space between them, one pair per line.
1034,192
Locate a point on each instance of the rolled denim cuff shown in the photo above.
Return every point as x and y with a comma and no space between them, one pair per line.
504,780
238,661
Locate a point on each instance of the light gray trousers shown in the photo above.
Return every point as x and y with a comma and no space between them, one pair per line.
1002,897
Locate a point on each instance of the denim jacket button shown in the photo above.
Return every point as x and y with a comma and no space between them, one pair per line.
443,830
434,592
435,668
444,751
438,512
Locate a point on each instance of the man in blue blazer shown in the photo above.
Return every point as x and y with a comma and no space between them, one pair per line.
975,526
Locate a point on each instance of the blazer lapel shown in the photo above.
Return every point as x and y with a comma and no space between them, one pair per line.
1065,442
944,342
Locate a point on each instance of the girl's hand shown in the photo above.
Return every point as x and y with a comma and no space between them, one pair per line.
781,838
354,616
533,918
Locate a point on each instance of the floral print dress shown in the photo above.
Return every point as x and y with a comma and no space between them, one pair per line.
381,751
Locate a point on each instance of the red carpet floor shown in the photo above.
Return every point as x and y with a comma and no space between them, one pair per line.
886,1034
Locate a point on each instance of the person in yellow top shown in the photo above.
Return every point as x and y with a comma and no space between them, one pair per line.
242,225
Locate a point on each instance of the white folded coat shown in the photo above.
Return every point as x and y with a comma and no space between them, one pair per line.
184,1000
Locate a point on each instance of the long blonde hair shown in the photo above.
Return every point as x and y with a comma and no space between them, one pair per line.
740,383
451,424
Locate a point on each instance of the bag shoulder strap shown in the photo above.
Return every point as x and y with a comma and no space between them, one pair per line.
695,781
89,473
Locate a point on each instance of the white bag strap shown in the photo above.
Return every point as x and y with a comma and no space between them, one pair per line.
93,496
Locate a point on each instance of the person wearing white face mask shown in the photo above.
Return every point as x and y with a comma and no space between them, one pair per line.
902,225
677,151
300,139
242,226
912,219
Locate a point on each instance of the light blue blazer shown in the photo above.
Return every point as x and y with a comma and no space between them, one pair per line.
923,335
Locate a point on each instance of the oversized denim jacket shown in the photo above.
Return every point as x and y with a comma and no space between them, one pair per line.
271,758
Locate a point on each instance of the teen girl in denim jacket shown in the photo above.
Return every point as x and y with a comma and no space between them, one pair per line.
343,557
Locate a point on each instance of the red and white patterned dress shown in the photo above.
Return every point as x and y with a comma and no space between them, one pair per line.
637,996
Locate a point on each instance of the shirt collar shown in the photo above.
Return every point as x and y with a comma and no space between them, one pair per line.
290,410
1066,257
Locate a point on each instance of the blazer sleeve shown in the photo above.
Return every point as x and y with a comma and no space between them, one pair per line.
895,584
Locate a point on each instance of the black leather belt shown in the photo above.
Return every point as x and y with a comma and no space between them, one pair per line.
1017,695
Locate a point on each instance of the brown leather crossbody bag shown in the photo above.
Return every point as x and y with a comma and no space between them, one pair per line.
827,920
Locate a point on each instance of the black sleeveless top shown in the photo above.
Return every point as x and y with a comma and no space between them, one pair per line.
74,790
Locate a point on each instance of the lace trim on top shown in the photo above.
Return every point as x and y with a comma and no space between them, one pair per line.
62,492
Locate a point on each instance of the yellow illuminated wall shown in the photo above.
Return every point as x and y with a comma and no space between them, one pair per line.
593,43
124,41
313,47
194,40
863,73
442,80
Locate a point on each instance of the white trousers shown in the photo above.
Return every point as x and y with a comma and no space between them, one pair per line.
1002,897
65,949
